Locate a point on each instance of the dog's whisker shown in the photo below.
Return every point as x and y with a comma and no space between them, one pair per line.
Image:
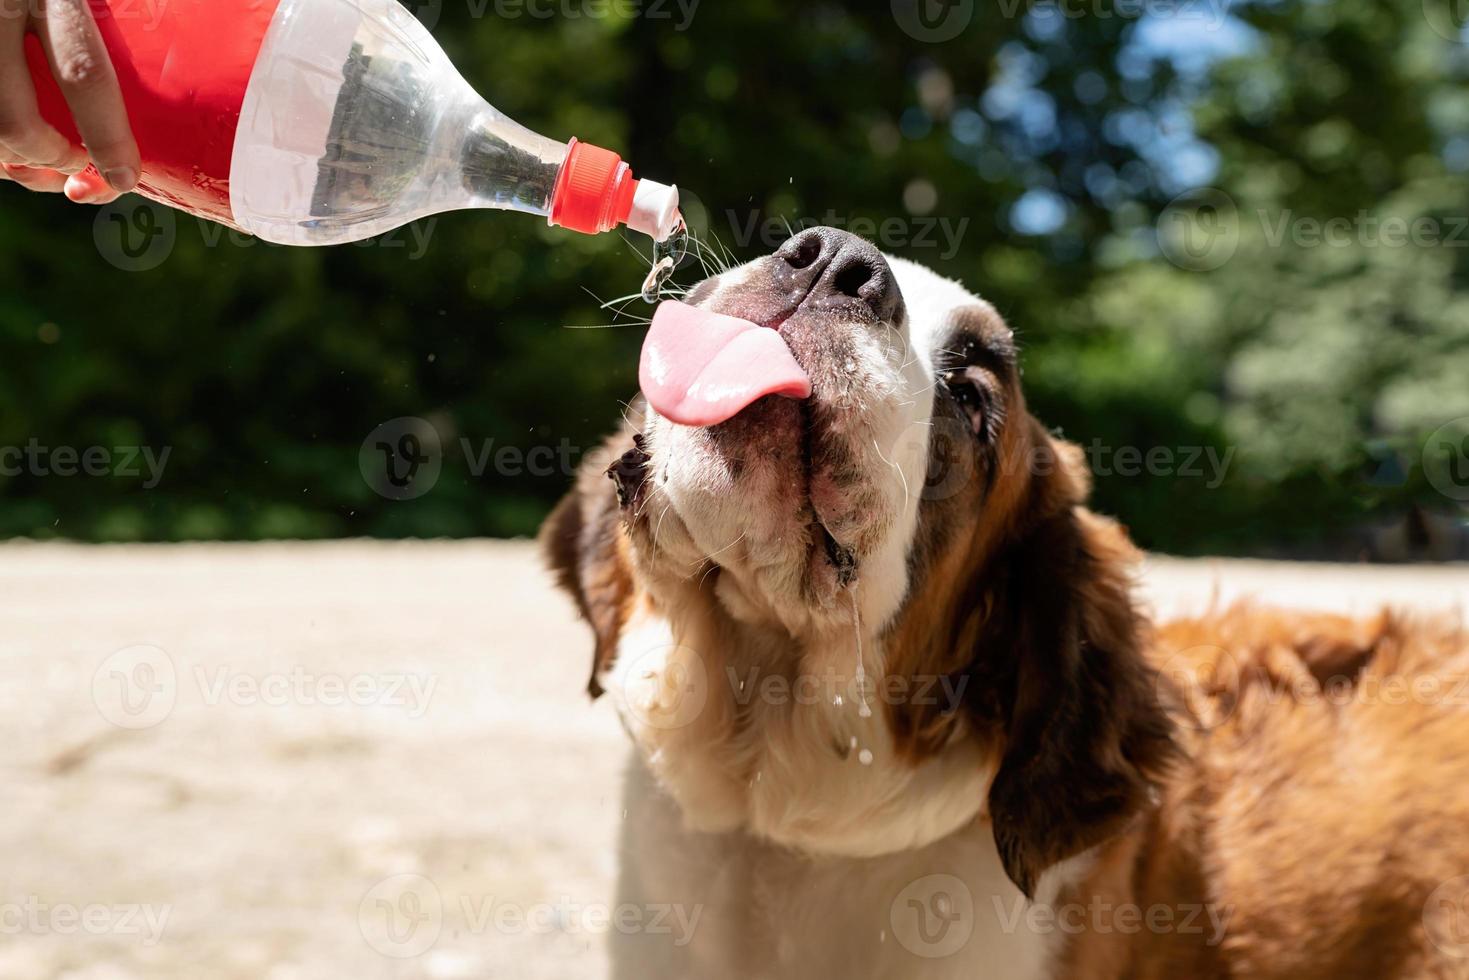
898,469
710,557
707,572
658,528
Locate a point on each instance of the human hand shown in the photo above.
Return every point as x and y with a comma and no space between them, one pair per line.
32,152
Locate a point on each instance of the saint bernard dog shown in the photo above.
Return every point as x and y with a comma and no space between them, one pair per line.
895,711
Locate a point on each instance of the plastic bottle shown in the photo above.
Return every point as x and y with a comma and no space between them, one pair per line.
320,122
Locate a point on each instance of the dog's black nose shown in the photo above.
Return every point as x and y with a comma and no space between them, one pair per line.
837,268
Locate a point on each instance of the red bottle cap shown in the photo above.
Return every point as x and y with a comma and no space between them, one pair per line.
594,192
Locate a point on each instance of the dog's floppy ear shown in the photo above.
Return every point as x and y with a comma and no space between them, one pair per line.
1086,736
585,546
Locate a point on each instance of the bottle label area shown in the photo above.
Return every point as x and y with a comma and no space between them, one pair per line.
197,54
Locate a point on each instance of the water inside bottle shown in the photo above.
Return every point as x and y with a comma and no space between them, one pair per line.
394,149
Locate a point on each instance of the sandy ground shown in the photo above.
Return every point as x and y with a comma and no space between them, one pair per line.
344,760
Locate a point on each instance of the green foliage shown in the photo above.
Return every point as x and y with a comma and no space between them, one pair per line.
1049,148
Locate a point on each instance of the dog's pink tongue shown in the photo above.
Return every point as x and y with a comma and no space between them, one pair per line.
701,368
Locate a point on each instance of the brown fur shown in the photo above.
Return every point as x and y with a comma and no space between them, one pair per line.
1206,764
1320,813
585,546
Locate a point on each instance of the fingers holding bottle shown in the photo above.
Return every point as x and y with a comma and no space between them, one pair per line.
33,153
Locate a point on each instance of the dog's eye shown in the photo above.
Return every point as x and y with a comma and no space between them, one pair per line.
972,397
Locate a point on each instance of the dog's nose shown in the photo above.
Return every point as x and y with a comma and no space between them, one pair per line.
836,268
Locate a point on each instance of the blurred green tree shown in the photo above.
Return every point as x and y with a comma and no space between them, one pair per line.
1034,156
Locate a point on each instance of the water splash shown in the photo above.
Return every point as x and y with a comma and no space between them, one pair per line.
863,710
668,255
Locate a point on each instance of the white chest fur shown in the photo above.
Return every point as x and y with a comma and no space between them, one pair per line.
747,730
754,910
772,803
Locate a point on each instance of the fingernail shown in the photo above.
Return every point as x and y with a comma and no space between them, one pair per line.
79,191
122,179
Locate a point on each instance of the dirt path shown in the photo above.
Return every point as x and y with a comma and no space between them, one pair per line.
221,758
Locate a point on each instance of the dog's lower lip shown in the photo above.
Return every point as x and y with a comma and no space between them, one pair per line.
842,558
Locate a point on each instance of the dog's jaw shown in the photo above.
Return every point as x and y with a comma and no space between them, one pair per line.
799,514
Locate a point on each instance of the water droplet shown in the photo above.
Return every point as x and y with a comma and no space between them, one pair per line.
865,757
667,256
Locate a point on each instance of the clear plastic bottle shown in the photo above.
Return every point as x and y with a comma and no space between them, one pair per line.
321,122
355,122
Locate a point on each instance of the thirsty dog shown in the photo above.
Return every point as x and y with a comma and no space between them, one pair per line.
894,710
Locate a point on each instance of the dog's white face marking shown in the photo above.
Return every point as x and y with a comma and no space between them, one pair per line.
752,496
740,681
